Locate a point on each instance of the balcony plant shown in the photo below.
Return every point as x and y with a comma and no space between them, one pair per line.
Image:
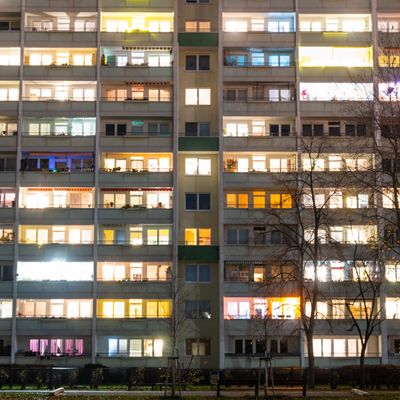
231,165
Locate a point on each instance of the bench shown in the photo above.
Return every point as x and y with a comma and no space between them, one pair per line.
292,382
56,393
162,385
237,382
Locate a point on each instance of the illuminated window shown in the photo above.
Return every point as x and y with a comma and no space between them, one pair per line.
198,347
197,166
259,199
392,272
198,236
280,200
5,308
9,56
197,26
197,97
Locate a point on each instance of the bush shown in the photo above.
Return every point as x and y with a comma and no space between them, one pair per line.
4,376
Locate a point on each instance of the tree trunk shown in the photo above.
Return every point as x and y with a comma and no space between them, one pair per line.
311,362
362,369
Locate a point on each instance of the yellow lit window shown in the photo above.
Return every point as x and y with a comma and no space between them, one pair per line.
190,236
108,236
275,200
243,200
286,200
164,308
204,236
231,200
259,199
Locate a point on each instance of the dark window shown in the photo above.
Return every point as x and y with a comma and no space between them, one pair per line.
260,346
137,127
243,236
190,128
307,130
274,130
191,273
197,201
4,25
274,346
164,129
231,236
191,201
204,273
361,130
198,347
12,164
6,273
191,63
204,63
397,345
121,130
350,130
238,346
285,130
387,165
197,309
110,129
318,130
334,128
276,237
284,346
248,346
259,235
153,129
204,201
204,129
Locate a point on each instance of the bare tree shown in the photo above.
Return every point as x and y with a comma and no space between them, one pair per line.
366,317
306,233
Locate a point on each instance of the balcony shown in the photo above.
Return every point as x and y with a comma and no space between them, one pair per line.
130,252
60,108
135,215
71,252
9,108
7,178
139,179
260,215
141,73
335,38
10,38
249,361
7,214
8,143
151,144
259,39
124,289
57,179
328,109
136,108
47,216
57,326
60,39
137,38
9,72
331,6
58,143
59,72
257,73
61,5
6,251
198,253
127,5
256,252
64,289
255,5
133,326
259,108
257,143
334,74
258,179
241,327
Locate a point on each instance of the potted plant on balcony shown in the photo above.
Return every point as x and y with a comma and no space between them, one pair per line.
231,165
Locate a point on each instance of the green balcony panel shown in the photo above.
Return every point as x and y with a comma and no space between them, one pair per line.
204,39
198,253
198,144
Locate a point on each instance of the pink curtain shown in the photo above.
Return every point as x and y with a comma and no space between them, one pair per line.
34,345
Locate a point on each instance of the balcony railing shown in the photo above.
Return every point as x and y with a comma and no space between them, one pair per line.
55,29
59,206
265,99
144,242
142,206
64,170
138,100
56,134
240,64
136,170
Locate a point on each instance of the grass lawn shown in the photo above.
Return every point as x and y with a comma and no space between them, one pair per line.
339,395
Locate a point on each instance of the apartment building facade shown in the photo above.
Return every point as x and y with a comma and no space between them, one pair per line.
144,146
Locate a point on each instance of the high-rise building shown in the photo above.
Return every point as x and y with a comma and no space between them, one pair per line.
146,150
